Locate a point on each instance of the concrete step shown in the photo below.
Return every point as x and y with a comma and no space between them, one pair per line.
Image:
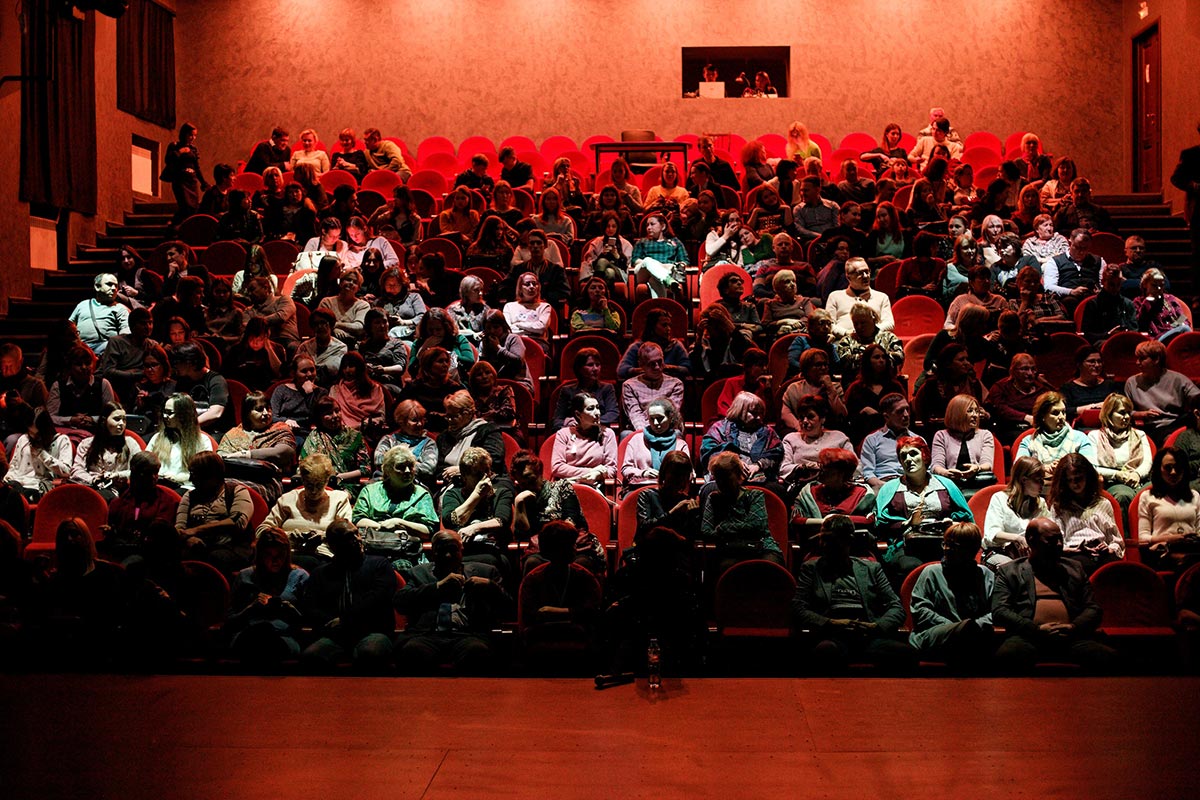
1138,210
1134,224
154,207
1127,198
143,243
136,218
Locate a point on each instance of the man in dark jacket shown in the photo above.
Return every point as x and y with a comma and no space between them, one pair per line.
1045,603
451,607
846,608
349,602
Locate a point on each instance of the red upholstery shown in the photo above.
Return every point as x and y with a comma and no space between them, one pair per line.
906,590
981,158
610,357
1183,354
979,502
859,142
337,177
445,164
983,139
382,181
198,230
448,249
205,595
777,520
1118,353
429,180
917,315
1108,246
224,258
249,182
710,279
1134,599
753,598
1056,362
679,316
886,280
281,255
64,502
554,146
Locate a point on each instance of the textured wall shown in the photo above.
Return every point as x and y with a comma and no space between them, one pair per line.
538,67
1179,29
14,215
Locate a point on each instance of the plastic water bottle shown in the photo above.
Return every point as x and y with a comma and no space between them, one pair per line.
654,664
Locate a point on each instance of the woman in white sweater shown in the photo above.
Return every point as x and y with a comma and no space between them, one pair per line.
1123,453
1168,517
306,513
1009,512
41,456
1090,533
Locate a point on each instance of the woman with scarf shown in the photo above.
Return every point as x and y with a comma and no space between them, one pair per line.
1053,438
1123,453
464,430
644,450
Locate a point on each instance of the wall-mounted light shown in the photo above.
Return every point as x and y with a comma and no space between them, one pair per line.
1143,10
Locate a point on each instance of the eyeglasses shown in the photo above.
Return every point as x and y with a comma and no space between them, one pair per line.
167,413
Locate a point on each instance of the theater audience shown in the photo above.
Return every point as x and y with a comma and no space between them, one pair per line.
952,603
214,515
1090,533
264,621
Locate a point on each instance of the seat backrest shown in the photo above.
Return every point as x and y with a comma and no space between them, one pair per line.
859,142
289,283
906,590
446,247
886,280
777,360
1056,362
916,315
224,258
777,520
627,518
610,357
1108,246
980,500
902,196
237,395
554,146
444,163
1118,514
983,139
261,509
205,595
472,145
65,501
1017,442
248,182
597,511
511,447
1118,353
198,230
524,400
914,356
981,158
337,177
1186,586
281,255
1183,354
1131,595
519,144
754,596
708,402
429,180
433,145
383,181
1173,436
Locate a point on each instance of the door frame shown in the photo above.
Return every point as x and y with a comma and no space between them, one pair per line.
1149,25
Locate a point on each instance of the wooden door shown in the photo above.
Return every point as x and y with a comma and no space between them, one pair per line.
1147,101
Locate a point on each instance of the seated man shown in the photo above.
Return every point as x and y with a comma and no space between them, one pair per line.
384,154
476,177
1045,603
517,174
722,170
878,457
939,134
934,115
858,274
349,602
1109,311
274,153
121,363
846,608
209,389
1135,266
278,311
952,602
1079,211
101,317
451,607
1075,274
814,214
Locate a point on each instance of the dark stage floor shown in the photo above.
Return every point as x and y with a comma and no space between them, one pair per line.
246,737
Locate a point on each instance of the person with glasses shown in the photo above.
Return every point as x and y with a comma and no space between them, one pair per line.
841,301
1160,396
465,430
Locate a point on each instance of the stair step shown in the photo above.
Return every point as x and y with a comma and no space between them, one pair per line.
1138,210
77,280
1127,198
1132,224
153,207
142,243
135,218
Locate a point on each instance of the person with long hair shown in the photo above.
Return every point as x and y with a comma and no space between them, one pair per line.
256,266
458,218
886,241
607,201
259,436
659,257
1009,512
629,193
888,149
323,349
563,180
493,245
754,162
495,402
1168,521
434,382
587,369
386,357
1058,187
346,307
551,218
607,255
799,146
877,376
529,315
40,457
438,328
1090,533
344,446
657,329
137,287
1053,437
594,311
358,397
264,621
769,217
1123,453
470,309
102,460
504,350
177,439
399,217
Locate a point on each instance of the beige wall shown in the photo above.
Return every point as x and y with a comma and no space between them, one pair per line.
1179,29
579,67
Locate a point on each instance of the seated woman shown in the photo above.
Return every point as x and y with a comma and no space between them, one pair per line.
733,517
459,219
628,192
1053,438
876,378
608,201
142,503
178,439
912,511
955,375
1011,399
754,160
607,255
866,332
545,263
254,361
742,310
594,312
964,257
396,514
102,461
463,430
1029,208
349,156
479,506
668,503
361,243
323,349
1010,511
923,274
886,241
585,452
260,437
41,456
294,218
786,312
923,210
720,344
961,451
834,491
240,222
347,309
769,217
651,384
470,310
529,315
344,446
669,194
656,329
754,379
1159,313
433,384
832,276
222,317
328,243
659,258
409,417
802,448
305,512
1161,396
1091,385
587,369
292,402
502,205
1089,529
371,269
814,380
399,218
76,398
494,401
1123,453
358,398
649,445
1045,242
493,245
386,357
745,433
439,330
257,266
698,217
264,622
539,502
504,350
551,218
213,516
1168,522
952,602
309,153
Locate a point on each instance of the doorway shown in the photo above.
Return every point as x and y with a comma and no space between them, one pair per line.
1147,111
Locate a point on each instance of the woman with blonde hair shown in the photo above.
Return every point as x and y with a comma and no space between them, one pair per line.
1010,511
1123,453
799,146
551,217
178,439
961,451
306,511
309,153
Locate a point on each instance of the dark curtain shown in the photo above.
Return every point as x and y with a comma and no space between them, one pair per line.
58,115
146,63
